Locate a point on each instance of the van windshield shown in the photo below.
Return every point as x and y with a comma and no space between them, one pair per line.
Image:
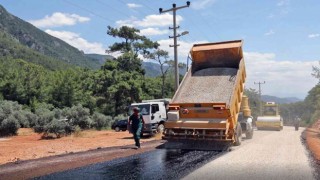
144,109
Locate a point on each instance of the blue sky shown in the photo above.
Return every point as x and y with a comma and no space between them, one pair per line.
281,37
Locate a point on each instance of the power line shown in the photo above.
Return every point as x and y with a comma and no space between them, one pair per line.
210,26
88,10
199,30
108,5
150,8
143,12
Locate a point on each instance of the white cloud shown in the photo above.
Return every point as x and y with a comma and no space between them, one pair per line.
183,49
270,16
283,3
283,78
77,41
153,31
284,6
270,32
313,35
202,4
155,20
58,19
132,5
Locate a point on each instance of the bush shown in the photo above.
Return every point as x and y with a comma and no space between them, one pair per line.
78,115
50,120
57,113
120,117
56,127
44,117
11,118
43,105
31,118
2,115
10,106
21,118
9,126
77,131
101,121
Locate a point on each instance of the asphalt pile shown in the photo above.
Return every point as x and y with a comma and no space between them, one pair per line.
208,85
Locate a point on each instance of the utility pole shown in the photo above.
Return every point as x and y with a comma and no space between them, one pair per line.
259,83
175,45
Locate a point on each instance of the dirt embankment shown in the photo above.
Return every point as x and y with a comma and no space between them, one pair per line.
313,140
29,145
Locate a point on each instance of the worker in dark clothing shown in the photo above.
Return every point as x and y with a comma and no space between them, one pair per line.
297,123
137,123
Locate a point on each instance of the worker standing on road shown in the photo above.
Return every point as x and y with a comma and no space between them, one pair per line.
137,123
297,123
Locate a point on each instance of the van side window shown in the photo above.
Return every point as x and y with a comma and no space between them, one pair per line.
155,108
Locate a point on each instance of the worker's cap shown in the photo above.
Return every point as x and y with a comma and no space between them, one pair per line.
136,109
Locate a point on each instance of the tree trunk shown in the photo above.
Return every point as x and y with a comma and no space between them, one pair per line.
162,88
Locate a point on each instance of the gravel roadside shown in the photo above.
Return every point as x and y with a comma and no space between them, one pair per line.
269,155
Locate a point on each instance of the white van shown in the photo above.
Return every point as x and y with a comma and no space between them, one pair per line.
154,114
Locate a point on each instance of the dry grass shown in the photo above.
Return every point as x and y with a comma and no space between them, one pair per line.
84,134
25,132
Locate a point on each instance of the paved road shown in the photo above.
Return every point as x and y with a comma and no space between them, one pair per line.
157,164
269,155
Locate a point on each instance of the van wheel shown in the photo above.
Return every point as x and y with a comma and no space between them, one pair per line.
238,135
117,129
160,128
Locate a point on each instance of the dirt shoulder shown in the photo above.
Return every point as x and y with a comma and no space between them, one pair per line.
29,145
312,140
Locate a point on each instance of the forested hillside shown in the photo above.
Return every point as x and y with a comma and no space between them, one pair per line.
48,89
28,35
10,48
279,100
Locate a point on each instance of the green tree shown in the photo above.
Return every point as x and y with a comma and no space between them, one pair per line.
22,81
120,81
132,41
254,101
316,72
161,57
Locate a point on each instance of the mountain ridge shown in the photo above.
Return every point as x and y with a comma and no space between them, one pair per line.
278,100
34,38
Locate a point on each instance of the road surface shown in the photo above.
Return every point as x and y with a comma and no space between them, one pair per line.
269,155
157,164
